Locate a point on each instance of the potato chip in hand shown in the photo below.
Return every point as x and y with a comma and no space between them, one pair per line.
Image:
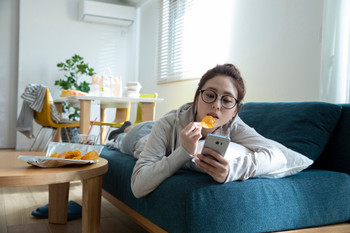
208,122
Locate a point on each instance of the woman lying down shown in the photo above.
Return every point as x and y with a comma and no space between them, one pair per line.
176,139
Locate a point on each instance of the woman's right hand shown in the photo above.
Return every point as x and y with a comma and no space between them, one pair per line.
190,136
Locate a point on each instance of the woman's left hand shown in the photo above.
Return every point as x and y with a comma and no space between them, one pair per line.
216,166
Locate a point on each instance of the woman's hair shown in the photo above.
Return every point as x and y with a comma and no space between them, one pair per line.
227,70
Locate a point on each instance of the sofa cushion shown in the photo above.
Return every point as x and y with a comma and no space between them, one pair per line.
309,198
305,127
192,202
335,156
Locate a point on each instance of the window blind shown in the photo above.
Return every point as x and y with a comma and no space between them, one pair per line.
174,16
194,36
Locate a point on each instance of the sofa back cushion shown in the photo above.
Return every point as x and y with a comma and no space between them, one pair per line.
336,155
305,127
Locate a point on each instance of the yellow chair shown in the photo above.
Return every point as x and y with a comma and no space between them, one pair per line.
122,114
139,107
43,118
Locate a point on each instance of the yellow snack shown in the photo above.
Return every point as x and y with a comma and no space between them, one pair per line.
70,155
91,155
54,155
208,122
66,155
63,155
77,153
66,93
73,155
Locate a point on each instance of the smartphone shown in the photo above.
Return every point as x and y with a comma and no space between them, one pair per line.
217,143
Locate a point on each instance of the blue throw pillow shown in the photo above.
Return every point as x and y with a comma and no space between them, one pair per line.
304,127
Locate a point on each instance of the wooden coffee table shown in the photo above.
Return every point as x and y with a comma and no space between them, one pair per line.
16,172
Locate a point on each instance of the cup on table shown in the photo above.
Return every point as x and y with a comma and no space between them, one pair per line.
87,139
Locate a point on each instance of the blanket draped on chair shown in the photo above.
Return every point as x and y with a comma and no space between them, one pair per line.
33,98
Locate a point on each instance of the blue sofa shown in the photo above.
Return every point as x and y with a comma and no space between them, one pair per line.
193,202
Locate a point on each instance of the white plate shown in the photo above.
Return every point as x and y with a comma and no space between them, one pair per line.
47,161
43,161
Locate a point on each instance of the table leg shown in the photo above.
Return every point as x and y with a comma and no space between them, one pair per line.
103,117
92,189
58,203
147,111
59,107
85,109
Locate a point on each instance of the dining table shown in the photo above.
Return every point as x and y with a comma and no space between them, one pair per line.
105,102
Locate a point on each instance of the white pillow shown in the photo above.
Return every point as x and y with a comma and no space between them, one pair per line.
295,163
282,164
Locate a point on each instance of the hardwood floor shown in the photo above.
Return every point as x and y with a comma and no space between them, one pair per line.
17,203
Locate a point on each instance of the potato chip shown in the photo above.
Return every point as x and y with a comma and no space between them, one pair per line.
91,155
66,155
77,153
63,155
208,122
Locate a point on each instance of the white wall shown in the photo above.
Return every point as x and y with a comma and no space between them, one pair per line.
54,33
275,43
8,71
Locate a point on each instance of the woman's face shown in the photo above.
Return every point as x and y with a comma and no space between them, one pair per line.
221,85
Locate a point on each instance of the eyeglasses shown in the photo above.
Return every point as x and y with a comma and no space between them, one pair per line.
227,101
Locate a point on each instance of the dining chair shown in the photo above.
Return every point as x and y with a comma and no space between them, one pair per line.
43,118
139,107
122,114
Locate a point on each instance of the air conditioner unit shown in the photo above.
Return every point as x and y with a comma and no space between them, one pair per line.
106,13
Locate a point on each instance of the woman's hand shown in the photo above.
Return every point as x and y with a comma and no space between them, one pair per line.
190,136
216,166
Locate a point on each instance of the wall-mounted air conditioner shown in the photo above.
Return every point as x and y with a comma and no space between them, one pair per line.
107,13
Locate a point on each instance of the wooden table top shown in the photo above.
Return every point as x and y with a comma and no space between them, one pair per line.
17,172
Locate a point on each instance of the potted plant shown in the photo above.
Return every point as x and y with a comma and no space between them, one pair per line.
74,68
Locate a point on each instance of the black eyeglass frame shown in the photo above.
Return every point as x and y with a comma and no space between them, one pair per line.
216,96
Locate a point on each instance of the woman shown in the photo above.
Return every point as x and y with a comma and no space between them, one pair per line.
173,142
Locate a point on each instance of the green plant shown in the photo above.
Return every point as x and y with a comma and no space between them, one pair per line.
74,68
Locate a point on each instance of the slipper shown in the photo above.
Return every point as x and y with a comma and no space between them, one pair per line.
41,212
74,211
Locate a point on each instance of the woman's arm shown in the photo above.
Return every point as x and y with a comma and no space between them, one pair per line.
153,166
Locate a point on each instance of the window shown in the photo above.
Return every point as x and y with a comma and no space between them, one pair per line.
174,15
194,36
335,59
